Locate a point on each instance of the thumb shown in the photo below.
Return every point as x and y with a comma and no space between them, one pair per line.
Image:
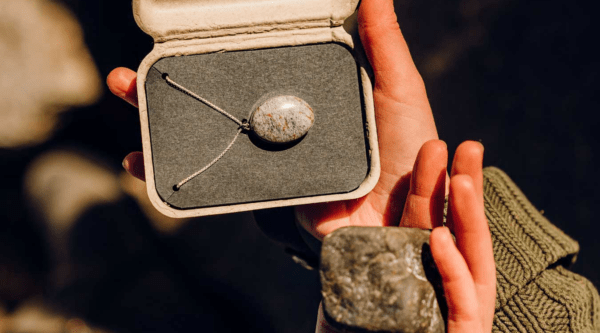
396,75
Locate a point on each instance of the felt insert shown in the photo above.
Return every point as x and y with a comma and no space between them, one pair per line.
186,134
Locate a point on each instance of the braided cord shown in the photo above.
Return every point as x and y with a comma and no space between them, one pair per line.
243,125
194,95
181,183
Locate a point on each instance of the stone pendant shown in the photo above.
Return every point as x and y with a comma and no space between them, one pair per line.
282,119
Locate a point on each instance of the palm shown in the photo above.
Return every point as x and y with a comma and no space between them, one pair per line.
403,128
404,124
378,208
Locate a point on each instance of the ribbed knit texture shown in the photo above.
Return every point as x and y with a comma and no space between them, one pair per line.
535,293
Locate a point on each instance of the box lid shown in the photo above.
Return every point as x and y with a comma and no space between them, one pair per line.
180,19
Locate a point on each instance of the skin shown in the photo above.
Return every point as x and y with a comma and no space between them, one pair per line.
414,180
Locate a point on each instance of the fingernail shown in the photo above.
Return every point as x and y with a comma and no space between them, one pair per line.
125,164
450,233
482,147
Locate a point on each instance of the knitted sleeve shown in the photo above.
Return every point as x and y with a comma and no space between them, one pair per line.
535,292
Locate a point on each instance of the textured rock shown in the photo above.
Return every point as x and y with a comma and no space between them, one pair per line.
46,68
282,119
381,280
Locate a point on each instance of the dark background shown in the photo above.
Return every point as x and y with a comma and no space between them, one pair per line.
520,76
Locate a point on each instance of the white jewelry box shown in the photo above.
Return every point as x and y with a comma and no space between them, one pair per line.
236,53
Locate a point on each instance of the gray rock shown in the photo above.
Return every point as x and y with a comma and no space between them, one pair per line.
381,280
282,119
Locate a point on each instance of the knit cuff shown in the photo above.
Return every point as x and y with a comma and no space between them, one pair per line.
525,242
555,301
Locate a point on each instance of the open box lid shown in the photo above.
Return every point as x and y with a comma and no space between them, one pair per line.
177,19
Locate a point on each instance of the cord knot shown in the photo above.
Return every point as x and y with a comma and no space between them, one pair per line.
245,125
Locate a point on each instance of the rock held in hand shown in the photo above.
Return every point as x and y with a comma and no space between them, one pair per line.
381,280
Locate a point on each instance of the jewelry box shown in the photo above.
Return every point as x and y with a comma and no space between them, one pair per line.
249,104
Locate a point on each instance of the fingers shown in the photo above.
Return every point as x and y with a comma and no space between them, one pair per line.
473,239
134,165
468,160
425,201
396,75
471,228
122,82
459,287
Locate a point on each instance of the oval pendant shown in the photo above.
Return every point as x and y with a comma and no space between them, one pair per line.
282,119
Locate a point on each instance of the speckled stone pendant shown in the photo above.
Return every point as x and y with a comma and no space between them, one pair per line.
279,120
282,119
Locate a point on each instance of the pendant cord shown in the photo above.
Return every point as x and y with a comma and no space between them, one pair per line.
194,95
243,126
181,183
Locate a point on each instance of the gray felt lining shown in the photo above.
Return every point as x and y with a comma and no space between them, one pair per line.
186,134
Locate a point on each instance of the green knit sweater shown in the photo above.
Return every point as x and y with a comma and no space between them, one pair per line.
535,292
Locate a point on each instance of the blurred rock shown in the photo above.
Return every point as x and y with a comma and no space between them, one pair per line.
46,68
36,317
61,186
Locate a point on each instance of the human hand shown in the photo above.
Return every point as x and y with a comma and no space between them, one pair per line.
404,123
413,178
467,268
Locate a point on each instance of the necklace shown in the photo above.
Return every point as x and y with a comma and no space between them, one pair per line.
279,120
